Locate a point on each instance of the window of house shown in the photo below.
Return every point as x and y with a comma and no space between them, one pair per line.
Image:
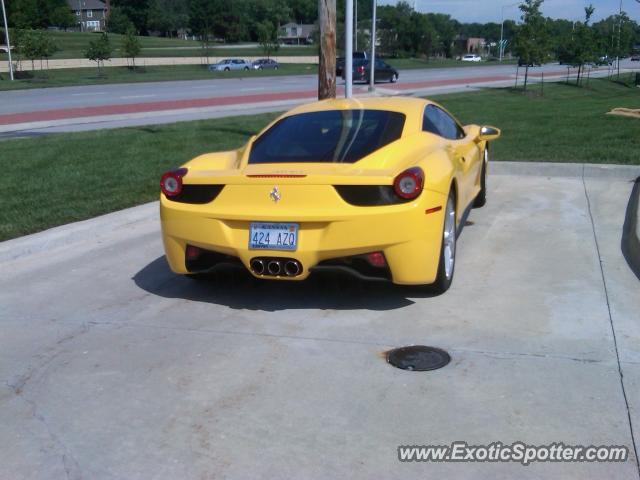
89,13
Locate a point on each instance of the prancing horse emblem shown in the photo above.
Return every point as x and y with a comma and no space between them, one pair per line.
275,195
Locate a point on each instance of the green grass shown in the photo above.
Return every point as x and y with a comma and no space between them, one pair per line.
415,63
89,76
56,179
567,124
74,44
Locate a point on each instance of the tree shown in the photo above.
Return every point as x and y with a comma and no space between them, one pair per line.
136,11
99,50
118,21
48,48
31,47
35,14
131,47
268,37
168,16
531,42
581,45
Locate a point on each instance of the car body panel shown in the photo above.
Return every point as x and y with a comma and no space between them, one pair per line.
329,226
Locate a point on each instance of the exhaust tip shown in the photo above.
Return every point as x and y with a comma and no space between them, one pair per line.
257,266
274,267
292,268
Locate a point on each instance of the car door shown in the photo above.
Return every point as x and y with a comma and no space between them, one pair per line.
383,71
462,149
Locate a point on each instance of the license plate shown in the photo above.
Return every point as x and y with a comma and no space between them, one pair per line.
273,236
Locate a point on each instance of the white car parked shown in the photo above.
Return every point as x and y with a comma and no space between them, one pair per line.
472,57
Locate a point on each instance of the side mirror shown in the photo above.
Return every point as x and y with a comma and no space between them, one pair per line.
488,133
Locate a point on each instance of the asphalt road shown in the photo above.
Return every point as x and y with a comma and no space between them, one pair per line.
44,111
113,367
122,94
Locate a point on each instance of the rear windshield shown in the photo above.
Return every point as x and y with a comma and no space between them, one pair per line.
335,136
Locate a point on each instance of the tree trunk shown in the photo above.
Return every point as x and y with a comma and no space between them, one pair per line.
327,61
526,77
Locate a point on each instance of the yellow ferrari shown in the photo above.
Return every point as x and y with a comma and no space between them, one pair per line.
373,186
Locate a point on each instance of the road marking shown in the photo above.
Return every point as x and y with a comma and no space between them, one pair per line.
87,94
127,97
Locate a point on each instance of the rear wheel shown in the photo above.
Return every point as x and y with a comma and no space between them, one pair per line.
226,69
394,78
481,198
447,262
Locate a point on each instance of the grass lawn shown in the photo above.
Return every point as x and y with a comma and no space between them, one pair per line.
89,76
74,44
56,179
415,63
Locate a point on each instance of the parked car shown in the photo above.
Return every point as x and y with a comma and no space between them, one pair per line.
333,185
472,57
358,55
265,64
635,57
605,60
384,72
230,64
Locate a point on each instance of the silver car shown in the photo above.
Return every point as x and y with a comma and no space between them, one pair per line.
230,64
265,64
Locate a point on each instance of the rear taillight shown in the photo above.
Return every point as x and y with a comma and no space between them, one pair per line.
409,183
361,69
171,182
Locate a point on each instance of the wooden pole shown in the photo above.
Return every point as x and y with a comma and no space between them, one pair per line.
327,61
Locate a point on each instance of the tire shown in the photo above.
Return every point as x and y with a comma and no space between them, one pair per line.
227,69
481,198
446,265
275,68
259,68
246,69
394,78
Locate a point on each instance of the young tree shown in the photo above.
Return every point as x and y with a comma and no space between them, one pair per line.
131,47
268,37
581,46
31,47
532,40
49,48
99,50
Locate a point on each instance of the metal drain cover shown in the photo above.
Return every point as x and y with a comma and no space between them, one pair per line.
418,358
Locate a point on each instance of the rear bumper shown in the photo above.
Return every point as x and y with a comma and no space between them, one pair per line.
409,238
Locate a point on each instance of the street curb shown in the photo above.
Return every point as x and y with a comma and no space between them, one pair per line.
630,242
146,215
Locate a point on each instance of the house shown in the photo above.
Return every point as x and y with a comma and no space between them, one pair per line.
91,15
469,44
296,34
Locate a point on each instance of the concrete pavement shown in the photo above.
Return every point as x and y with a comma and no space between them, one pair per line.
112,367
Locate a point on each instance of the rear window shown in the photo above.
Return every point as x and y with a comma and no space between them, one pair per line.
334,136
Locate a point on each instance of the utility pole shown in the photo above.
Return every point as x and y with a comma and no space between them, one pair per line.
372,61
327,60
355,26
502,29
6,36
348,49
619,35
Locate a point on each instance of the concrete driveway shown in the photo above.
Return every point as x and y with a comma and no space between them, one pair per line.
112,367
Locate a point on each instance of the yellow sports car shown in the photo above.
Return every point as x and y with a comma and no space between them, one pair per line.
373,186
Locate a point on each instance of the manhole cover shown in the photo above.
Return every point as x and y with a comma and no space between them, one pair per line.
418,358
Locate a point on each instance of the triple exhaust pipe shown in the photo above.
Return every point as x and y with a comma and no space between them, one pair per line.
276,267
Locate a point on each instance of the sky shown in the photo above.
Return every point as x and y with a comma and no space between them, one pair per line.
490,10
